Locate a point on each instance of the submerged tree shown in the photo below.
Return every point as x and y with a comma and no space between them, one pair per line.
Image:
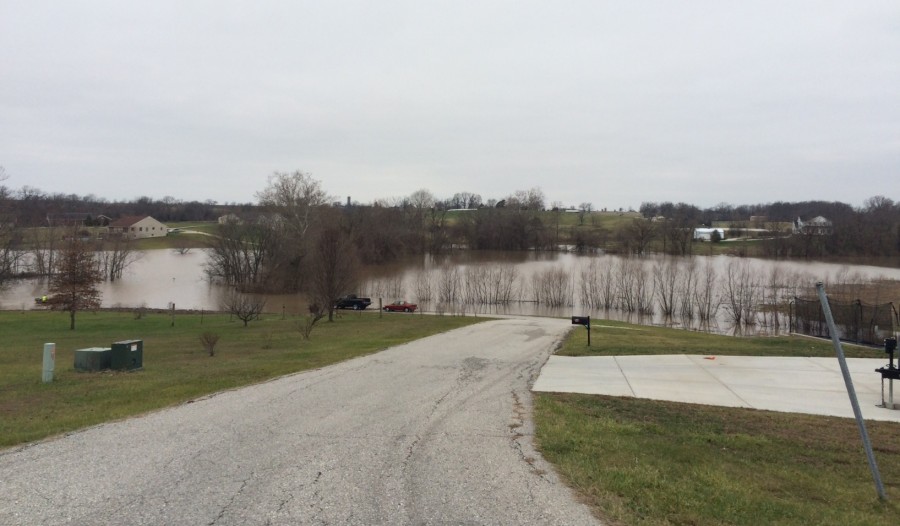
118,253
73,287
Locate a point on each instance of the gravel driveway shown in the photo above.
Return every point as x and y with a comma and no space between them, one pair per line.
433,432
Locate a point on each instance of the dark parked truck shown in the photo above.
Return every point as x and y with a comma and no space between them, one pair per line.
352,302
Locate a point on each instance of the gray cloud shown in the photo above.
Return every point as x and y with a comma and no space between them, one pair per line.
609,102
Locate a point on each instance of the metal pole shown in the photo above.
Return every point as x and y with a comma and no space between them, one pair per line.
829,319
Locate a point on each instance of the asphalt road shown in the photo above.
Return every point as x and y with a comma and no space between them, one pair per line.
433,432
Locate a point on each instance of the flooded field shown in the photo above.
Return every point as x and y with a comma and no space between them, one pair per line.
718,293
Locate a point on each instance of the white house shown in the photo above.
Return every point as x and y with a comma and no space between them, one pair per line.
229,218
137,227
817,226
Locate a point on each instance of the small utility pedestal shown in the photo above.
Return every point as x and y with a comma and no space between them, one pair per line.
889,372
127,355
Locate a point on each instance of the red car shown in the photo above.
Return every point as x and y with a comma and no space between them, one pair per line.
400,306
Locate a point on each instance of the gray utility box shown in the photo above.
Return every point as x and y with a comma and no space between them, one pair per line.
127,355
93,359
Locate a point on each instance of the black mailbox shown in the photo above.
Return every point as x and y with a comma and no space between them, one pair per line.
586,321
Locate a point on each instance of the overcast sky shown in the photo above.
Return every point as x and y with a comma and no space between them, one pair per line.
613,103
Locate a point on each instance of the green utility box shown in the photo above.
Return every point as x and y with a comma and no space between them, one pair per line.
127,355
93,359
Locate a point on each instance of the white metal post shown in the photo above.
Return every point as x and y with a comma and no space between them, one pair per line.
49,362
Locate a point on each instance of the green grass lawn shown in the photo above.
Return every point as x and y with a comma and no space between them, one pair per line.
176,368
614,338
649,462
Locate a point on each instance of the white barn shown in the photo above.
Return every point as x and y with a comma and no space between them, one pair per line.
705,234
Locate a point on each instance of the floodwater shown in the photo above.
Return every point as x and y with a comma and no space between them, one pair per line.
160,278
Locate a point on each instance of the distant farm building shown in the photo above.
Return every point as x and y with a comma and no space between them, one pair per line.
77,219
229,219
137,227
817,226
706,234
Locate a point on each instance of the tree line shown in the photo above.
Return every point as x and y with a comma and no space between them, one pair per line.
293,230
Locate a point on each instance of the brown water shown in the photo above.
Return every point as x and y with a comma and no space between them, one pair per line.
162,277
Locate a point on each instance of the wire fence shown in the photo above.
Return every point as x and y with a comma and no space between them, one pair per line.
855,321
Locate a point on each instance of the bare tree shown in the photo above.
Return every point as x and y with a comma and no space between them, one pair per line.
243,254
584,209
705,296
437,233
552,287
73,287
293,202
423,286
607,286
624,279
422,199
448,287
666,276
294,197
502,281
465,200
593,294
9,235
308,322
182,245
740,292
244,307
333,268
644,289
385,287
209,341
43,249
637,235
9,256
687,287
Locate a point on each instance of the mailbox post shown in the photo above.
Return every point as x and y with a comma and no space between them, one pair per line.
890,373
586,321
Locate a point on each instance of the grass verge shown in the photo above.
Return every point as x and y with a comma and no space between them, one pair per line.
650,462
613,338
176,368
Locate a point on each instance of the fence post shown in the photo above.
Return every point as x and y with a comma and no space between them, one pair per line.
791,315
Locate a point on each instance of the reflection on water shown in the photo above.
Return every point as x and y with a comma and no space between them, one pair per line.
438,283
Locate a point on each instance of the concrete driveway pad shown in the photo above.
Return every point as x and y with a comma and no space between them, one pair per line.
787,384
